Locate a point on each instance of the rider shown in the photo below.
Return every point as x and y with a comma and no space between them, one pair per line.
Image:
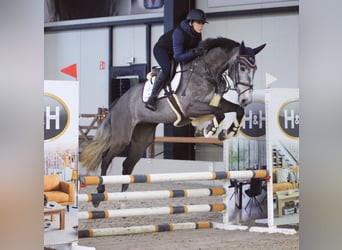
181,44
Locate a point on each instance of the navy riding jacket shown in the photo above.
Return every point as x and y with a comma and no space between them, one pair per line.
179,42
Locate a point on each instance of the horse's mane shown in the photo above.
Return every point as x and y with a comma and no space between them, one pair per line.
222,42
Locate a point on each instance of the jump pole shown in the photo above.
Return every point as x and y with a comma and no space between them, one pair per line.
101,214
96,232
187,176
142,195
128,179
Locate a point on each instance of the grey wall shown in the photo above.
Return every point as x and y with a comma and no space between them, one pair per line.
320,40
22,133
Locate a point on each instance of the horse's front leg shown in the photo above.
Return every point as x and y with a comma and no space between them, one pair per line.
215,123
233,130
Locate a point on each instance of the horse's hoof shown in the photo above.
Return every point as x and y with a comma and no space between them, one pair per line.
101,188
199,132
96,203
124,187
231,135
222,135
209,130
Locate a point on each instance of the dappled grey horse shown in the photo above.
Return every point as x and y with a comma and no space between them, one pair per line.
226,65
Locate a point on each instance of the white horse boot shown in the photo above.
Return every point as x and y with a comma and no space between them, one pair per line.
212,127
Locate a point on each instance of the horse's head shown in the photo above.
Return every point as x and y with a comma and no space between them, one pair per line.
232,62
242,73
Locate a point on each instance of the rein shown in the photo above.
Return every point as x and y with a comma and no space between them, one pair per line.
218,79
223,78
191,69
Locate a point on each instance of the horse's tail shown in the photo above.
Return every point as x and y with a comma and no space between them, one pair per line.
91,156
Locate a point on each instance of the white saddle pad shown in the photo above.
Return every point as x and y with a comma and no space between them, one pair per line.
149,85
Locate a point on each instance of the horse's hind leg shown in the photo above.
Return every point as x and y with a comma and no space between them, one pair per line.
143,136
107,158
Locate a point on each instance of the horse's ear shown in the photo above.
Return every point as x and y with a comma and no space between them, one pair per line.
242,47
258,49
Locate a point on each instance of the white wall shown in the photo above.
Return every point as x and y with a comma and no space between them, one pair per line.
129,42
279,32
87,48
156,32
233,5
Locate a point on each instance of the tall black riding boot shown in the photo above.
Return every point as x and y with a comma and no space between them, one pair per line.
157,86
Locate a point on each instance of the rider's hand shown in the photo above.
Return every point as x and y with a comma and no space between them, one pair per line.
198,51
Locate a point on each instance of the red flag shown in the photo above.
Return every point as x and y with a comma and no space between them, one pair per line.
70,70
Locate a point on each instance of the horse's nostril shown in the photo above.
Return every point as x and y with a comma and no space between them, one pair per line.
244,102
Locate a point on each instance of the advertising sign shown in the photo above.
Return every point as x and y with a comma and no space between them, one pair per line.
61,127
282,135
248,149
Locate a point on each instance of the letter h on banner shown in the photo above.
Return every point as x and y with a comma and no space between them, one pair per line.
50,117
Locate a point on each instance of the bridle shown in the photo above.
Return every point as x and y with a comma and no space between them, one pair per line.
239,65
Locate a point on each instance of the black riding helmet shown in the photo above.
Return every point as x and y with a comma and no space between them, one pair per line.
197,15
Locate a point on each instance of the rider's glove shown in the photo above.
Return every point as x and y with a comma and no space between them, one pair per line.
198,51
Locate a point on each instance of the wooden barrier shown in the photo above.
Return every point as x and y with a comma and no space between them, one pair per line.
177,139
95,119
188,140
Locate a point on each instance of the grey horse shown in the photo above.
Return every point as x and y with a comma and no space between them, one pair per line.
226,65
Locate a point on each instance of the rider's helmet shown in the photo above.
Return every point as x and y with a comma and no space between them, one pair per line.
196,15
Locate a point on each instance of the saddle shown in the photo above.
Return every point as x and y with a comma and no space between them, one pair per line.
169,89
156,69
170,86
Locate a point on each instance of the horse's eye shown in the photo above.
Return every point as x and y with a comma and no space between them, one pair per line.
243,68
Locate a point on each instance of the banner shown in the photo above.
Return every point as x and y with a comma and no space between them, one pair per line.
61,111
283,124
282,136
248,149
